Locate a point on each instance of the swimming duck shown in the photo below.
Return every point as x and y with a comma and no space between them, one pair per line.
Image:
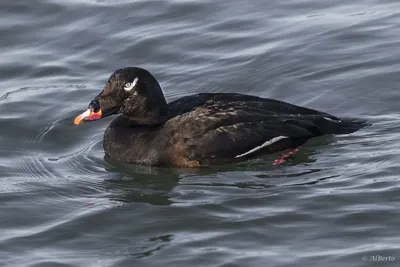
200,129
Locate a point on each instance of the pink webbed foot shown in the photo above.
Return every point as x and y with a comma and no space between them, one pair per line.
283,158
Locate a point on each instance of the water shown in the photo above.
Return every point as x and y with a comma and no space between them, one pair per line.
64,204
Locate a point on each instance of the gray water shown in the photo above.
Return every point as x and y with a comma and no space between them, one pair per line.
334,204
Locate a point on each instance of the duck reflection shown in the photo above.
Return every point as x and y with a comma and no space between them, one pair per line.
156,185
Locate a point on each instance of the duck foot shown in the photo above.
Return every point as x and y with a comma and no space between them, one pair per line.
283,158
183,162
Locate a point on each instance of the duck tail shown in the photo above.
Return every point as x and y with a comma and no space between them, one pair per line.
342,126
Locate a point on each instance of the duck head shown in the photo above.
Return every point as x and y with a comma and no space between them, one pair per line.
133,92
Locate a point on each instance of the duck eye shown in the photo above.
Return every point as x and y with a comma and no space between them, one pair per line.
129,86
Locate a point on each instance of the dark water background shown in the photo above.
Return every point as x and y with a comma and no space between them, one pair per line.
63,204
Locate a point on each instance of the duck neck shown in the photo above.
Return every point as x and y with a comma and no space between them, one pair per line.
154,111
152,120
150,106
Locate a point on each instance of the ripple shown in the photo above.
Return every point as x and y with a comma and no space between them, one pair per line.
64,204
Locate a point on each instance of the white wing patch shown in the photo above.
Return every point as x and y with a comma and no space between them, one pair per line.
269,142
129,86
330,119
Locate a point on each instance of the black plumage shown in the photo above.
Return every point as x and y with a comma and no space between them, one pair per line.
202,129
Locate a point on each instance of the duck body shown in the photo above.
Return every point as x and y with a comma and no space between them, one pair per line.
201,129
214,128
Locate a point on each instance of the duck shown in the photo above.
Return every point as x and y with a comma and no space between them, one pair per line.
202,129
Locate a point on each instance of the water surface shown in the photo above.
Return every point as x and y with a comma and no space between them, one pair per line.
63,204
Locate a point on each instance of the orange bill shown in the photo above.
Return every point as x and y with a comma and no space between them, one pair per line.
88,115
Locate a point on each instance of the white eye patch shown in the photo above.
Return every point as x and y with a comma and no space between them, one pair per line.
129,86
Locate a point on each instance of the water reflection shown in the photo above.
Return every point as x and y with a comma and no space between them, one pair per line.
140,183
161,185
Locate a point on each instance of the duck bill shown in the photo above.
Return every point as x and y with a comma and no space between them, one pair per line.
88,115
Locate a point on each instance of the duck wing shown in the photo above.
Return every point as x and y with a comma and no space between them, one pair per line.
221,101
226,126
